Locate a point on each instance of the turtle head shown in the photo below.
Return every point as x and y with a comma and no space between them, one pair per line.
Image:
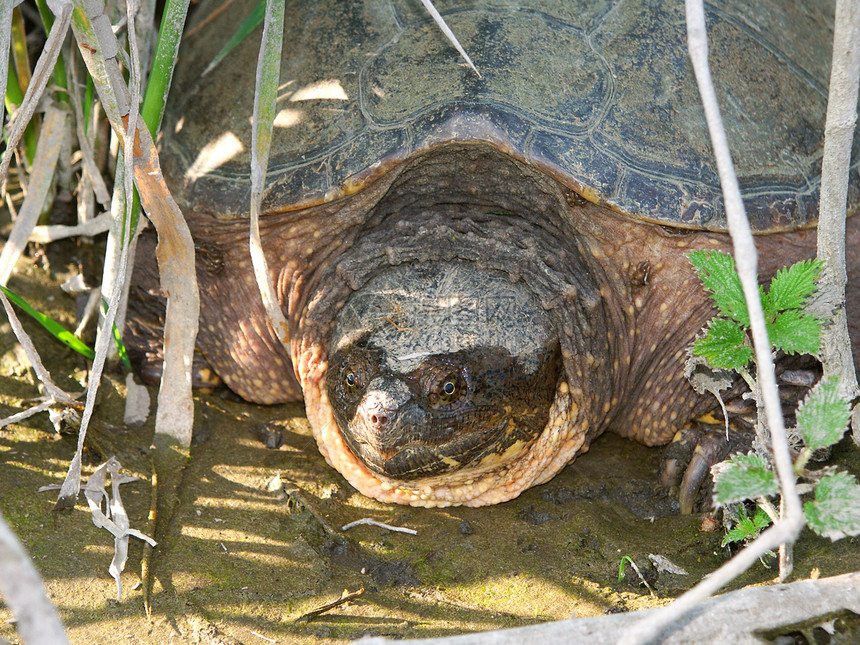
441,371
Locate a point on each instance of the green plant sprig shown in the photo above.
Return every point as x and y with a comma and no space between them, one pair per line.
822,417
726,344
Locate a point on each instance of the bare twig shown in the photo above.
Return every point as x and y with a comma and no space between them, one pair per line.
370,522
745,255
24,594
313,613
839,127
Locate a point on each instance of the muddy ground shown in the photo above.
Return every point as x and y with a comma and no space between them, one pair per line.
255,543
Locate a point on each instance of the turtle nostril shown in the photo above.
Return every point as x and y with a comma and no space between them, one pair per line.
379,420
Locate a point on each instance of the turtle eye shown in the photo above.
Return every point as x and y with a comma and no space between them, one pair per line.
448,389
356,371
444,384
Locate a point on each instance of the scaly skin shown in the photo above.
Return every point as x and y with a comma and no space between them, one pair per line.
624,301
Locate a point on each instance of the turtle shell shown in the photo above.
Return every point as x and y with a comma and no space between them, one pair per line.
599,94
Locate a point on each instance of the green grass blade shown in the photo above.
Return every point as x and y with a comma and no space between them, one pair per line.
59,74
250,24
54,328
166,50
117,337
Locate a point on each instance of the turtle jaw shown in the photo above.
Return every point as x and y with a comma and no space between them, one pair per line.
408,442
440,376
494,479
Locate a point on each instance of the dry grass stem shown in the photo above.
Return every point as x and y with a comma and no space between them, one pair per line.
53,232
23,592
175,250
44,70
90,168
38,187
5,41
265,96
53,391
440,22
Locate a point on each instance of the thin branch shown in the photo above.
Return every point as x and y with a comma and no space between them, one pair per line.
839,127
313,613
746,260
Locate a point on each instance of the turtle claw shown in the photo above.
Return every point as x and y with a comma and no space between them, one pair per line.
711,449
688,459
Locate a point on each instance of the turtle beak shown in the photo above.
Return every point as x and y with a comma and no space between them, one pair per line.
393,435
378,421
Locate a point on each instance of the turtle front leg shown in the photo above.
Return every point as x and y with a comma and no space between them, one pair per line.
144,331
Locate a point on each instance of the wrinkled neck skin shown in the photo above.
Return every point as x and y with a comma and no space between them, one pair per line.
499,216
620,294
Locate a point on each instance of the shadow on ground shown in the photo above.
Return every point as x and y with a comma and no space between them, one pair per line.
256,542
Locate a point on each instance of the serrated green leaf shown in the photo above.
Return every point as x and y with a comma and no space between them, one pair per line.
743,530
718,275
56,329
743,477
792,286
761,519
747,527
823,416
723,346
795,332
835,511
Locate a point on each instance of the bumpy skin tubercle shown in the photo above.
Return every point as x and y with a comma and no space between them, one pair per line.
618,296
575,174
557,444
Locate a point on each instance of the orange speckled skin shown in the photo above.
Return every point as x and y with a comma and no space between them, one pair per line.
577,165
622,294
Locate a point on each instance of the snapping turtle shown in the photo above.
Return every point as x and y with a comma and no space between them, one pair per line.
482,274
